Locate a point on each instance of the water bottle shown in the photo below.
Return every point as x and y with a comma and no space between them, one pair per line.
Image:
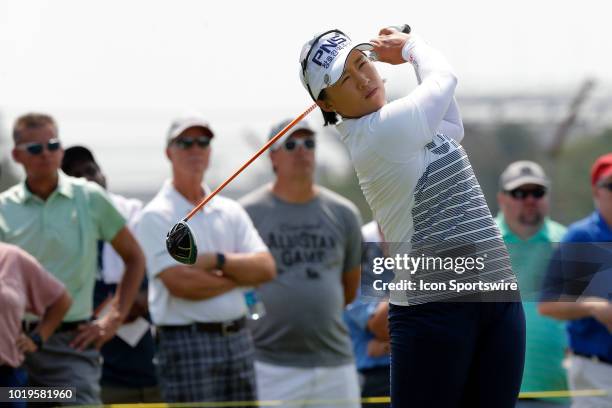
256,307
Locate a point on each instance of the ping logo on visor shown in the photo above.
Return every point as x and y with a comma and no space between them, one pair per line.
323,60
331,47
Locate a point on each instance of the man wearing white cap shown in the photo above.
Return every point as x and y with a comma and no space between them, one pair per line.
205,350
303,349
448,349
528,231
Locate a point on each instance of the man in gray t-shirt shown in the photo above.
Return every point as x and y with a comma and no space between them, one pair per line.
303,349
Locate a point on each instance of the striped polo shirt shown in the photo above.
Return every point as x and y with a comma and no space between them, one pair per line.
423,192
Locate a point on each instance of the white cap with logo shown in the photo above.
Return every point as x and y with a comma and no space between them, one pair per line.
184,122
523,172
301,125
323,60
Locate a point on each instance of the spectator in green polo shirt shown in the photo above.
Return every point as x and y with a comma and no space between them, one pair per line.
528,232
59,220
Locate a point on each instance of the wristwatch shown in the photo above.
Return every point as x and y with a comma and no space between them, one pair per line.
220,261
36,339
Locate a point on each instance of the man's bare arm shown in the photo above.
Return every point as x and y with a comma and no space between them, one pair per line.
192,283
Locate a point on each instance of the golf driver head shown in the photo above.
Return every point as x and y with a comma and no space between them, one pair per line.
181,245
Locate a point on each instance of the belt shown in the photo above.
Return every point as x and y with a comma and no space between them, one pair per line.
223,328
593,357
28,326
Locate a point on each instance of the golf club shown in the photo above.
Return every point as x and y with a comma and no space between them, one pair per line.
402,28
180,242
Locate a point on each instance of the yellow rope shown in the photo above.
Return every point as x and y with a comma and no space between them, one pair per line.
339,402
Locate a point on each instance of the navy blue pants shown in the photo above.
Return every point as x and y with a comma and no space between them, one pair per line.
446,355
13,377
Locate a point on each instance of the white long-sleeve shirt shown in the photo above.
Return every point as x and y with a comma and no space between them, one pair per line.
414,174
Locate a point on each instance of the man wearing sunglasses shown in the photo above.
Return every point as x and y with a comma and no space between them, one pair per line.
59,220
205,352
303,350
523,200
528,233
583,299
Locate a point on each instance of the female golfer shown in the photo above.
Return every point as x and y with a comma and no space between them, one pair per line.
448,349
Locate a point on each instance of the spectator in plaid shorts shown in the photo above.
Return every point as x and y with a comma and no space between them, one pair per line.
205,350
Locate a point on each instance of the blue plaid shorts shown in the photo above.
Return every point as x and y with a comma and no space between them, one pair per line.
199,366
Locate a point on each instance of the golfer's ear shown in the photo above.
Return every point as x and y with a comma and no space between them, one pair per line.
168,153
325,105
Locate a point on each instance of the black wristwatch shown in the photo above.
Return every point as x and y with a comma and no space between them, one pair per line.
220,261
36,339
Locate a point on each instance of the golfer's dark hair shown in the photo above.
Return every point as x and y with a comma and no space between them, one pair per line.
32,121
330,118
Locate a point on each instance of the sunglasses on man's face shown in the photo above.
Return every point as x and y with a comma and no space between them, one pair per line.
607,186
187,142
37,148
523,193
292,144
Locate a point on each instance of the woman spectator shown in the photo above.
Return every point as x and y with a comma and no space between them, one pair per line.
25,287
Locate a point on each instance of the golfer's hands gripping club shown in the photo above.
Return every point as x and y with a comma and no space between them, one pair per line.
389,44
